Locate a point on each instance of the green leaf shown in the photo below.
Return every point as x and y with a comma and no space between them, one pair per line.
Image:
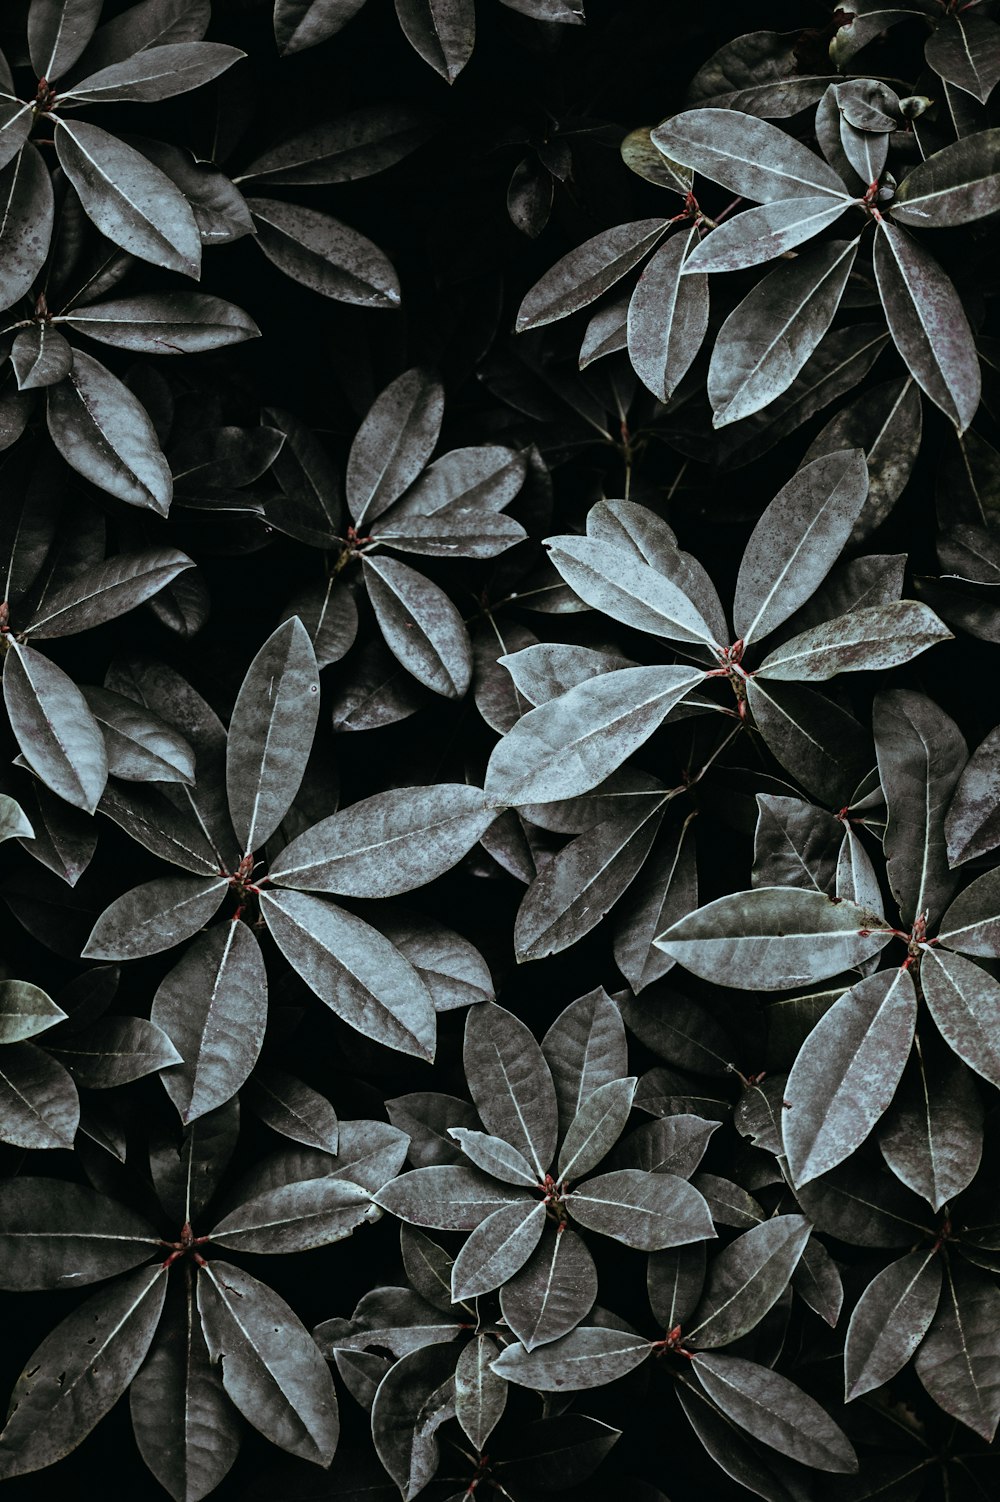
890,1320
324,255
964,50
667,317
106,590
163,323
184,1425
957,1361
25,1011
554,1290
421,625
588,271
389,843
643,1210
846,1073
589,1356
155,73
295,1217
154,917
480,1395
769,336
58,31
107,436
932,1137
443,32
921,753
497,1249
114,1051
569,745
55,730
60,1235
874,637
80,1371
282,1386
775,1411
773,938
964,1001
954,186
928,324
130,201
798,540
510,1083
746,1279
610,580
291,1107
39,1106
764,234
446,1198
271,733
357,972
213,1007
748,156
596,1128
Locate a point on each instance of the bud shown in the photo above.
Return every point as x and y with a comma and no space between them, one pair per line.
914,105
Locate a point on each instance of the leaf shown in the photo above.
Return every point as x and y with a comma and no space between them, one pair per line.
796,844
107,590
446,1197
769,336
569,745
355,145
957,1362
773,939
156,73
632,592
213,1007
775,1411
584,1048
295,1217
587,272
105,434
282,1387
25,1011
26,215
964,1001
746,1460
928,324
886,422
748,156
40,357
422,628
965,51
890,1320
874,637
453,971
58,31
393,444
671,1144
387,844
154,917
798,540
667,318
130,201
954,186
932,1138
596,1128
746,1279
80,1371
822,745
589,1356
324,255
415,1397
149,23
184,1425
921,754
643,1210
141,747
674,1281
357,972
55,730
480,1395
61,1235
510,1083
443,32
666,890
554,1290
971,826
114,1051
818,1283
16,120
304,23
271,733
39,1106
163,323
291,1107
14,822
495,1156
763,234
846,1072
497,1249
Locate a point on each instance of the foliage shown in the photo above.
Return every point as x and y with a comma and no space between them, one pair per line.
499,819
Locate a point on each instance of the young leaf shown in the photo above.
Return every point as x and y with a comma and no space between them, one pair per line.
589,1356
746,1279
638,595
213,1008
957,1361
281,1386
644,1210
890,1320
554,1290
422,627
773,938
510,1083
667,318
585,273
798,540
107,436
874,637
357,972
154,917
928,324
775,1411
846,1073
271,733
596,1128
57,734
497,1249
80,1371
748,156
763,234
